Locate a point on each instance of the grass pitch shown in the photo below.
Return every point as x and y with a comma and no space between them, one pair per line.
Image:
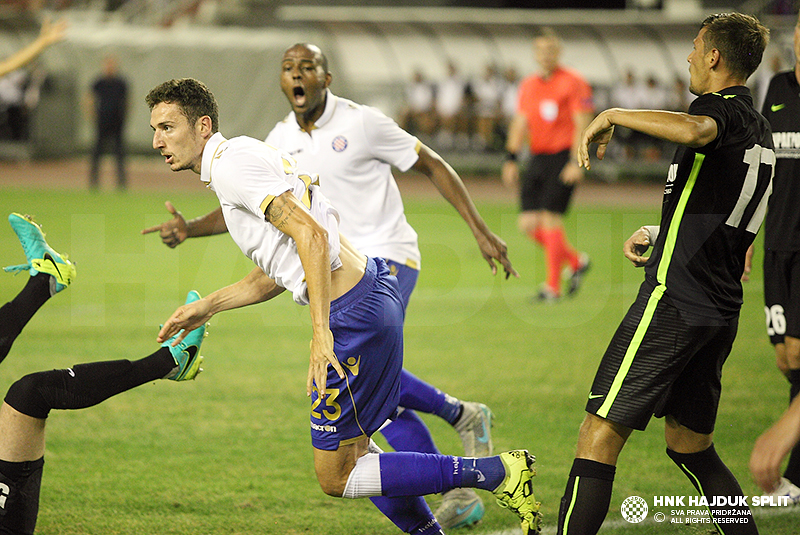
230,453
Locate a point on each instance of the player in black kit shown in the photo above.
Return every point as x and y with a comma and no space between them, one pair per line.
782,244
666,357
29,400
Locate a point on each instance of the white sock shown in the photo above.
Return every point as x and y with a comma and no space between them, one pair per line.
364,480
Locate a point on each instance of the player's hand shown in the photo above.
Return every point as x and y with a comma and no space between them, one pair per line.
748,264
636,246
321,355
52,32
599,131
510,174
770,450
571,174
494,249
187,317
172,232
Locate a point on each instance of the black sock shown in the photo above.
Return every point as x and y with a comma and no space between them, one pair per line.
792,472
85,385
711,478
585,502
15,314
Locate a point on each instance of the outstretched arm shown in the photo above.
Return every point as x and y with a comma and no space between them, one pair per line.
50,34
256,287
450,185
175,231
682,128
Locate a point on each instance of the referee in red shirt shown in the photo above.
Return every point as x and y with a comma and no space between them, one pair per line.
553,107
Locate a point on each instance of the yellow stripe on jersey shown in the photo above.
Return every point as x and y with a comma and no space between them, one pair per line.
265,204
658,292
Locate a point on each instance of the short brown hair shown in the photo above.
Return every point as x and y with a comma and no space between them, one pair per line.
740,39
192,96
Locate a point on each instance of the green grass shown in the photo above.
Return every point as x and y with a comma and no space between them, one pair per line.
230,453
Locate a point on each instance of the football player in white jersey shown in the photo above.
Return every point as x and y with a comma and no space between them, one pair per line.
352,148
281,220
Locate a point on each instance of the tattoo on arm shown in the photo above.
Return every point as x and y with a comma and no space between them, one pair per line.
279,212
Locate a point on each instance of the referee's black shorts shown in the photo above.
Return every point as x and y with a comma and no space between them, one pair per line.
662,362
541,186
782,294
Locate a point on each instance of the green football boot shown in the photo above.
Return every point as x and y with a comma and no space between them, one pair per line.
187,352
516,490
41,258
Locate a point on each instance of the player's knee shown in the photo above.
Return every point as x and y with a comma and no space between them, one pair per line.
527,223
782,365
332,486
792,353
25,395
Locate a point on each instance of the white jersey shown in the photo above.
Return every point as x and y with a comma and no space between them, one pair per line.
352,148
247,174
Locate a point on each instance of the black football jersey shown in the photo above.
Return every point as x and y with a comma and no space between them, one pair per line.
714,202
782,110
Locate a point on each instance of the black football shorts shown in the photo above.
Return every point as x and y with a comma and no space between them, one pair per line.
662,362
541,185
782,294
19,497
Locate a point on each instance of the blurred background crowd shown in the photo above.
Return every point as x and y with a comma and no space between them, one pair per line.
447,71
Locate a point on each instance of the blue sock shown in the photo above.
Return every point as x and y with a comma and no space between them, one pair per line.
409,433
491,468
419,474
419,395
409,513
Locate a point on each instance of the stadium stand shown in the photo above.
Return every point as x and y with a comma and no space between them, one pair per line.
373,53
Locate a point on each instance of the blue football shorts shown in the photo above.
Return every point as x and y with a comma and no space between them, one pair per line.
406,278
367,327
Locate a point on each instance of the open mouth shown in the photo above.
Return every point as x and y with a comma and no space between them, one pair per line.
299,95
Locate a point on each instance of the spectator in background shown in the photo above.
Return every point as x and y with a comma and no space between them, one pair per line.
679,97
653,98
508,104
109,106
628,94
13,112
488,92
450,103
555,105
14,81
419,115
